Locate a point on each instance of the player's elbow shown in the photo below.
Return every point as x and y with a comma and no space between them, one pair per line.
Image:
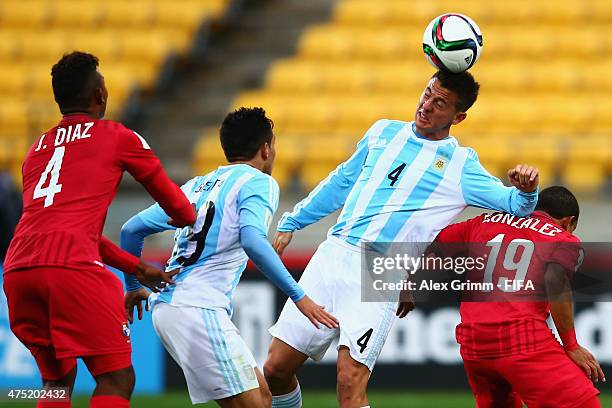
130,229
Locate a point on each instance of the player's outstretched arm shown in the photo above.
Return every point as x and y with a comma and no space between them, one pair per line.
481,189
559,293
133,233
259,250
330,194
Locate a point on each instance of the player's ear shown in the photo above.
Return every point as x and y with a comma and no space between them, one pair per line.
265,151
568,223
459,117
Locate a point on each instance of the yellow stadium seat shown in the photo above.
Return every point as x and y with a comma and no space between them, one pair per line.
70,13
35,45
130,13
13,118
13,80
22,13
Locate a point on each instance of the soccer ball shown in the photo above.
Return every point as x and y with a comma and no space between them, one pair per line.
452,42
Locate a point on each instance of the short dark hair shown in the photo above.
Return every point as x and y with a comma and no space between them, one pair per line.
558,202
243,131
462,84
74,79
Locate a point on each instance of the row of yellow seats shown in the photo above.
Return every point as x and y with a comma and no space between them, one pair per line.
303,75
322,111
32,80
186,14
534,42
150,46
483,11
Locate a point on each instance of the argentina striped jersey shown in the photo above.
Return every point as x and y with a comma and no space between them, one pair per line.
401,187
209,253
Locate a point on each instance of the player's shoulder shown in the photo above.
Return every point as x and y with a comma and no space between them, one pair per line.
384,129
263,179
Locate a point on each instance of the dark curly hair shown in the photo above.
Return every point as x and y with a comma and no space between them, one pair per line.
243,131
558,202
463,85
74,78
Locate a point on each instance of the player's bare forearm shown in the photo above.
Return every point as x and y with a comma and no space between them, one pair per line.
559,294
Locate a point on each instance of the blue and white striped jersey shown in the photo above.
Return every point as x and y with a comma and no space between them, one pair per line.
209,253
401,187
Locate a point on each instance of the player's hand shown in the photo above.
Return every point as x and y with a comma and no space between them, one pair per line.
524,177
315,313
406,304
132,299
154,278
281,240
585,360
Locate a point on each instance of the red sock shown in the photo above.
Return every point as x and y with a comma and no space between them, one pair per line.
53,404
108,401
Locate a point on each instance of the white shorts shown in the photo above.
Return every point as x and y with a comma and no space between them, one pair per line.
333,279
205,343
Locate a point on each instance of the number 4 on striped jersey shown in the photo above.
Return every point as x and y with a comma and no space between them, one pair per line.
54,166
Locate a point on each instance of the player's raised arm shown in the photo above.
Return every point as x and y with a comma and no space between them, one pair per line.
331,193
481,189
257,202
137,157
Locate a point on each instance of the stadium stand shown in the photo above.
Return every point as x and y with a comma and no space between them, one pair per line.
544,72
132,38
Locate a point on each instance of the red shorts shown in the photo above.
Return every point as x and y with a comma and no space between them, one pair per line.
542,379
60,314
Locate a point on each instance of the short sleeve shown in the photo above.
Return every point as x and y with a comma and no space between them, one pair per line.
257,202
136,156
569,254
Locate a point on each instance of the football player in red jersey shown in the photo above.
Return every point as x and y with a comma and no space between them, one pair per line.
63,304
509,352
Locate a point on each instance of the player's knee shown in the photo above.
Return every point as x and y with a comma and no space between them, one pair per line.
119,382
276,372
347,381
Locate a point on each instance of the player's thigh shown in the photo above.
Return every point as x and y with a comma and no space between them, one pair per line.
292,327
87,316
529,374
28,298
490,388
215,360
364,326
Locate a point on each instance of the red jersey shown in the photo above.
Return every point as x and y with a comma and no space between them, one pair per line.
517,252
70,177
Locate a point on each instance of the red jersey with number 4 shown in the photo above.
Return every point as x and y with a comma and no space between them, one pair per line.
70,177
510,316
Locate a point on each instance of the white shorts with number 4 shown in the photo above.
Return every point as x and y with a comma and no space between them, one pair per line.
205,343
333,279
